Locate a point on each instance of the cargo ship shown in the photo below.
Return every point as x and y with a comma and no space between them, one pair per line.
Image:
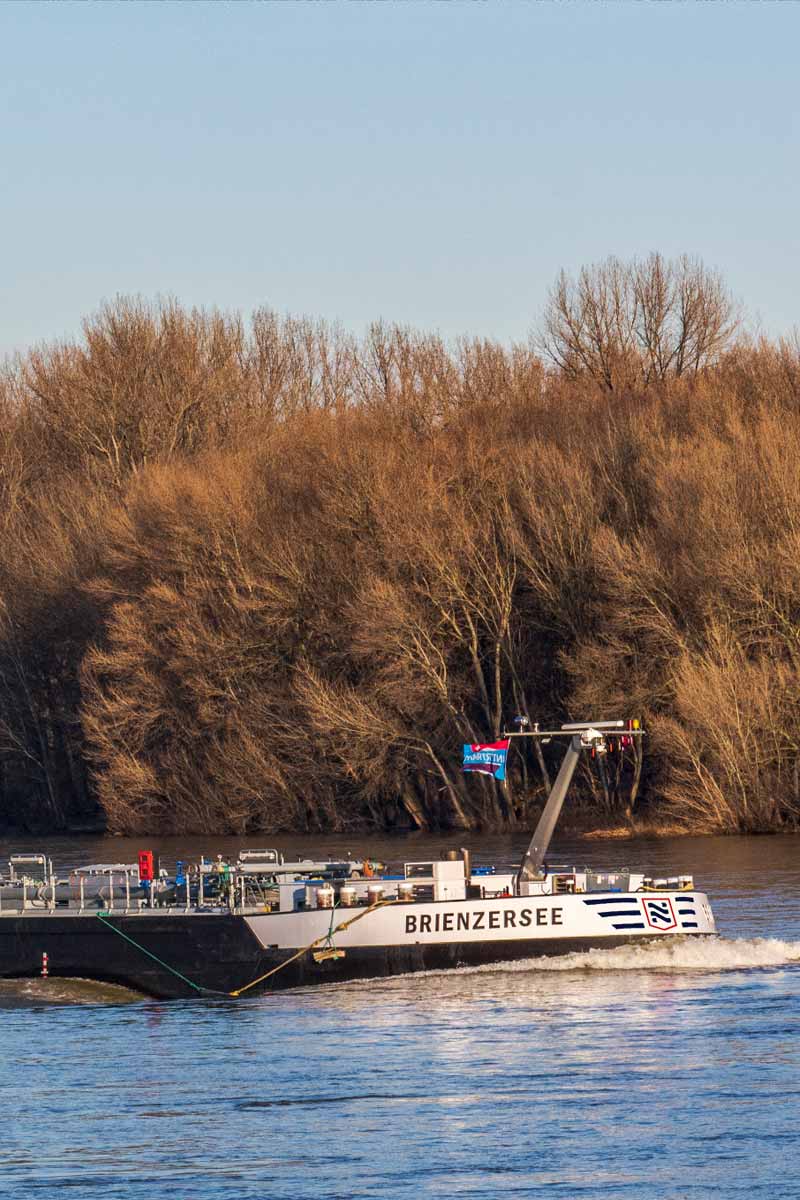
263,923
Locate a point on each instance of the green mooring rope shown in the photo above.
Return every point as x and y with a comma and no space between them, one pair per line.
160,961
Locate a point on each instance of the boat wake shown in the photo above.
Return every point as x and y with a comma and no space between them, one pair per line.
22,993
688,956
676,954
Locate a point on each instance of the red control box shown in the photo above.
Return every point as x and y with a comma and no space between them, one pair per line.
146,865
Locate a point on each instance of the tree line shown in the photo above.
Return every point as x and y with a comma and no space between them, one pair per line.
267,576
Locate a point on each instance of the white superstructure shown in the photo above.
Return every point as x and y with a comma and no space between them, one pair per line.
532,910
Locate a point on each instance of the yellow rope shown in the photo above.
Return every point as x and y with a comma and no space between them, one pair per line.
687,887
324,938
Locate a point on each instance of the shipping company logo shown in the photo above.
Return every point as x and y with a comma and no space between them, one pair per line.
686,911
624,912
621,912
659,913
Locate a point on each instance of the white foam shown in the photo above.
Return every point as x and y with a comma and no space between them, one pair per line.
673,954
690,955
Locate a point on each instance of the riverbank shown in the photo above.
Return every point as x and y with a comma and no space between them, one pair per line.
584,829
581,825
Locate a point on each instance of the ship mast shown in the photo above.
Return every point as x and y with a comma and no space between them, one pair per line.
581,735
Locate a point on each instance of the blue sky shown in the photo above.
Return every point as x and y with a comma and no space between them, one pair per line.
434,163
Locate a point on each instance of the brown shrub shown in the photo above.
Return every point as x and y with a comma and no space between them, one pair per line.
266,576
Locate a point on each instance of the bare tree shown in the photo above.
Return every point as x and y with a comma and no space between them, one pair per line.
627,324
269,576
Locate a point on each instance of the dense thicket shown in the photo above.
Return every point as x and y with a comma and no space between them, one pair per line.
266,576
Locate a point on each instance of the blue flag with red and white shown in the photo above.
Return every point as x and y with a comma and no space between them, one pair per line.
487,758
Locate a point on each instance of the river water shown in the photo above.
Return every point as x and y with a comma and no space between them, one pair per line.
663,1072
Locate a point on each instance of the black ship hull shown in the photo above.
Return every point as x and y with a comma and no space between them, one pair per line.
179,955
